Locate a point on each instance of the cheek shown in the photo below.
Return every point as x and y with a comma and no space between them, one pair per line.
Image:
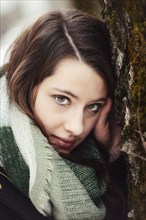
49,120
50,125
89,125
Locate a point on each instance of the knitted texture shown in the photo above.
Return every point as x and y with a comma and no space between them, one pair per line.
39,171
73,195
88,176
12,161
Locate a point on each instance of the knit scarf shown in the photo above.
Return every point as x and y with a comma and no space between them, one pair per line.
37,170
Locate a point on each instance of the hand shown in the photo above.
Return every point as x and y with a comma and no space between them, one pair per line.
107,132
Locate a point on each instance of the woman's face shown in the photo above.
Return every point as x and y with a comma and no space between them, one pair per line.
68,103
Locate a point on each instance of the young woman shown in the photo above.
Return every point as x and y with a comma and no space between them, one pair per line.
56,137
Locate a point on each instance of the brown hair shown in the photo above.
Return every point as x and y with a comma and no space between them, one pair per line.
53,37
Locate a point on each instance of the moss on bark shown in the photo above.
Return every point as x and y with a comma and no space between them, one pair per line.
126,20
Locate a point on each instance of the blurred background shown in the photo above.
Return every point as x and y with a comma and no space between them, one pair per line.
17,14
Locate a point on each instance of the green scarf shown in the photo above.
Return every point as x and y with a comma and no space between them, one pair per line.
37,170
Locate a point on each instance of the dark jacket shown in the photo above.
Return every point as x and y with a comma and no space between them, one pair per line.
117,191
14,205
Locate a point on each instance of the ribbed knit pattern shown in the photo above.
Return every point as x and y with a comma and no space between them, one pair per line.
88,176
76,202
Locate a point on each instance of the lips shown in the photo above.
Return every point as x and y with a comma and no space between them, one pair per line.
62,142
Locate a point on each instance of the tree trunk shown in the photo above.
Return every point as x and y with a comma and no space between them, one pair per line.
126,21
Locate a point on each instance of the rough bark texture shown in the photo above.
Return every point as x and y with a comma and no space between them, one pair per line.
127,24
126,20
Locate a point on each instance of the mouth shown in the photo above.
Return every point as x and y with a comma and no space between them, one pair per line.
61,143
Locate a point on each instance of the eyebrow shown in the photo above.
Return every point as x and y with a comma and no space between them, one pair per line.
76,97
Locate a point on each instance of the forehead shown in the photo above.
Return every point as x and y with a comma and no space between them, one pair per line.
77,77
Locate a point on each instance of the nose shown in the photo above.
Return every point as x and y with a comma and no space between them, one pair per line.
74,123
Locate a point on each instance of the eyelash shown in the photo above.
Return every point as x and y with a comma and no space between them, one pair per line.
66,101
62,97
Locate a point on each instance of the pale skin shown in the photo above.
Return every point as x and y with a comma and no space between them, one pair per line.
71,103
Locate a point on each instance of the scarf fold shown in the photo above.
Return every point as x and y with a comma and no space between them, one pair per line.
37,170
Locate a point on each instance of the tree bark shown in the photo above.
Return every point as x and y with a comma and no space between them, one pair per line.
126,21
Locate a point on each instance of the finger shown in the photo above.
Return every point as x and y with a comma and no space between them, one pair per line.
103,118
115,149
106,107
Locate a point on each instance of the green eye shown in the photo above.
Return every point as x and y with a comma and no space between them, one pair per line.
94,107
62,100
